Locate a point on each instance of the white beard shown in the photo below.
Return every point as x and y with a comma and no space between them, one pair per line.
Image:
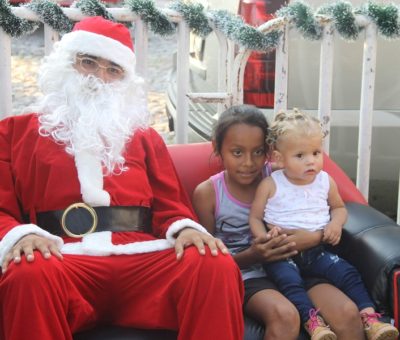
86,114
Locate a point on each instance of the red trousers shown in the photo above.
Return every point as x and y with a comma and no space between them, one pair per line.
201,296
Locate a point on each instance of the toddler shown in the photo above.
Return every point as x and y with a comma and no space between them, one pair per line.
300,195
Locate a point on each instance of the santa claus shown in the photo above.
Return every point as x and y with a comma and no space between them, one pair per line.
90,204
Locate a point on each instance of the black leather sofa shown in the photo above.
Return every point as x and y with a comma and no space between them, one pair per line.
370,241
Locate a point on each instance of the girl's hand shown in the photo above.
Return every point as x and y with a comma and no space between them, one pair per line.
332,233
270,249
190,236
274,231
25,247
304,239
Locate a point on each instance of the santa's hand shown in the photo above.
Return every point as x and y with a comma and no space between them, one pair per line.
190,236
26,246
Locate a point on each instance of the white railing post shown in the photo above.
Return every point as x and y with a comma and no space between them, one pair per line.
50,37
281,71
239,67
5,75
182,101
325,80
366,109
141,47
230,67
224,65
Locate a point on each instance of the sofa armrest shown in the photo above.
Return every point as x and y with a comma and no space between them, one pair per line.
371,242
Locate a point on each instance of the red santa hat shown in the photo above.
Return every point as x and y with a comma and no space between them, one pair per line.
101,38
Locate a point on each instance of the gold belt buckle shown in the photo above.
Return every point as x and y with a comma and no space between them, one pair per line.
79,205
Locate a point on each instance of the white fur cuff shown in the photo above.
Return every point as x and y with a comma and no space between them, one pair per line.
15,234
181,224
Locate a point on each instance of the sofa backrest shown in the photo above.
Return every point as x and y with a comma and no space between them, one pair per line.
196,162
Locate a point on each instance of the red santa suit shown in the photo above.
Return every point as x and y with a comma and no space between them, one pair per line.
51,299
123,278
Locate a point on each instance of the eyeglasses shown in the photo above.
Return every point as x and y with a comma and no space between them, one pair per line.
91,65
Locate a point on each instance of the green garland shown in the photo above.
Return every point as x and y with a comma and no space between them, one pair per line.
302,16
157,21
244,35
342,14
93,8
386,17
13,25
343,19
194,15
51,14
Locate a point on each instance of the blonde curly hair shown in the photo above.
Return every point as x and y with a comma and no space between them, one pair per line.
296,122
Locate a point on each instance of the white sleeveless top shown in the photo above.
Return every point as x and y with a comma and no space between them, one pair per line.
299,206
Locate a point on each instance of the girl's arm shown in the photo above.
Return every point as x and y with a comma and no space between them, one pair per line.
204,205
256,219
304,239
266,249
333,230
262,249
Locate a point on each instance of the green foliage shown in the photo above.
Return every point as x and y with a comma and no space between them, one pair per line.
386,17
51,14
194,16
302,16
94,8
343,18
11,24
243,34
147,11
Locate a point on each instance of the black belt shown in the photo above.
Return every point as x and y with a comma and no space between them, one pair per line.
80,219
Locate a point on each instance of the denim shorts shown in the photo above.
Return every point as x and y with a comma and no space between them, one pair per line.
252,286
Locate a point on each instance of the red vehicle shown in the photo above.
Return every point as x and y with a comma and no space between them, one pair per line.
259,79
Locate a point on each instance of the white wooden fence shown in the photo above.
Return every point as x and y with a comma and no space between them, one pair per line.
230,85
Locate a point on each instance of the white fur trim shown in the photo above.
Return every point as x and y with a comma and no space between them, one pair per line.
100,244
90,177
181,224
15,234
100,46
